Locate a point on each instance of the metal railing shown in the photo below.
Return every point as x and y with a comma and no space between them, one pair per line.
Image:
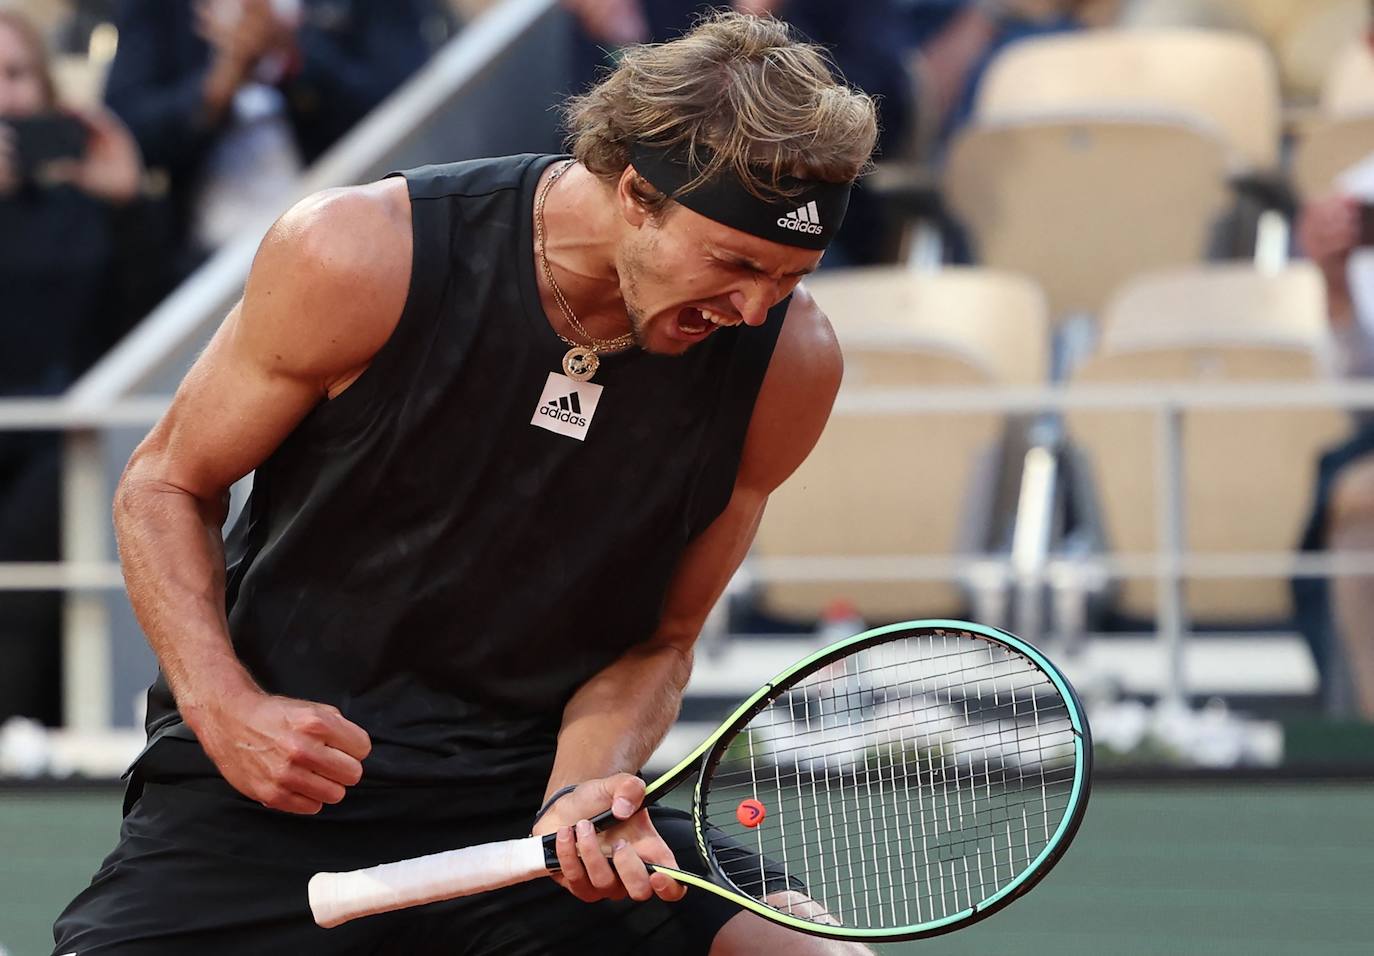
444,113
88,572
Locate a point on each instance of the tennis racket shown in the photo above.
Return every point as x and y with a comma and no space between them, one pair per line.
904,782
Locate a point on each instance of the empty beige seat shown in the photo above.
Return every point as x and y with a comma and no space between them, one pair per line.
1303,34
1082,205
1349,86
1226,80
1219,304
1342,133
891,483
1314,34
1247,474
1098,155
880,486
996,320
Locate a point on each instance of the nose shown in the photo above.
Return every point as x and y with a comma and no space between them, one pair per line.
753,302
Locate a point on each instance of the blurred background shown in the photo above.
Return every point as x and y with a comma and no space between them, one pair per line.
1107,306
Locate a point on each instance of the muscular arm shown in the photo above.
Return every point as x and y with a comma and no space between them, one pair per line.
325,291
614,721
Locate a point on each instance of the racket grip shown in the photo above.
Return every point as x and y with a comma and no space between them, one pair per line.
336,898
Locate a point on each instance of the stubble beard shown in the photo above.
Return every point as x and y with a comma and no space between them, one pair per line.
629,293
631,272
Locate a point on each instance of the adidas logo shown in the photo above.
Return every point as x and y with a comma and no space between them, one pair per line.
803,219
566,409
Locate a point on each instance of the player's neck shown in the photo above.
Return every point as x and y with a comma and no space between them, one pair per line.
581,236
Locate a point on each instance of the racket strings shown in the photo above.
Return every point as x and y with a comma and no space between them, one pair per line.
1059,759
1017,829
903,784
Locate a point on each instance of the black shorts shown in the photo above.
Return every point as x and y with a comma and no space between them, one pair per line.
200,869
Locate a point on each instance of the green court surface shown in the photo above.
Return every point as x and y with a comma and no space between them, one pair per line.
1274,869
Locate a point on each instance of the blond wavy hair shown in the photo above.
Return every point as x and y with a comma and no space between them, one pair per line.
738,92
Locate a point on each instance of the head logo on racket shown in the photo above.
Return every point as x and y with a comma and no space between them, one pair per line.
750,813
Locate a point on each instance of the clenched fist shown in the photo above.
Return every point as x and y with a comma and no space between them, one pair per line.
291,755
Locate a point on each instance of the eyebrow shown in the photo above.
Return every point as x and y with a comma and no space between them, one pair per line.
735,259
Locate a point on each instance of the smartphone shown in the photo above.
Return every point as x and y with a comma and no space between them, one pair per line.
38,140
1366,225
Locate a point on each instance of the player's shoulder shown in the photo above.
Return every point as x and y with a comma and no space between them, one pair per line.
807,355
331,277
469,177
795,400
349,247
352,230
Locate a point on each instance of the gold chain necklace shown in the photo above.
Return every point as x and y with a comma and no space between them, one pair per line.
581,361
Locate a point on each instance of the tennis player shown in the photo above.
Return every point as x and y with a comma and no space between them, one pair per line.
512,425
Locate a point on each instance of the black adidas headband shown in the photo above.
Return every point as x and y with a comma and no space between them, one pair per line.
808,219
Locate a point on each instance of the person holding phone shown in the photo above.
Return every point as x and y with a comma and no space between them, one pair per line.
64,176
69,184
1328,232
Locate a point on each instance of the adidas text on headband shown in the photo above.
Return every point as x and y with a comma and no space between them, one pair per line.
808,219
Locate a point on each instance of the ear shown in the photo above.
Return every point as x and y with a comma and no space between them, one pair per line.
630,192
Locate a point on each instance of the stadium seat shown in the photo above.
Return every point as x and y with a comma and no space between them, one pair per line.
1349,85
1219,304
894,483
1226,80
1081,205
1222,322
1099,155
1328,147
1302,33
1312,35
1342,132
881,314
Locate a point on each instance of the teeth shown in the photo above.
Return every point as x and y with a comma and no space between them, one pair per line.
714,318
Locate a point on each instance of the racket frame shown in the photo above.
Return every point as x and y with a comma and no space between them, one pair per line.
709,752
705,755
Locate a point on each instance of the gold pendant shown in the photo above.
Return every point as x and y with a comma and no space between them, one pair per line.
580,363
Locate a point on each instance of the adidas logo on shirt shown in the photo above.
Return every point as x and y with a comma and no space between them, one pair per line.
566,409
803,219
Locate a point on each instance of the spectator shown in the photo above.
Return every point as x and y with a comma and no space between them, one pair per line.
1343,518
63,229
232,97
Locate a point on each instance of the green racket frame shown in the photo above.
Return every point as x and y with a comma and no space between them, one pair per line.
711,749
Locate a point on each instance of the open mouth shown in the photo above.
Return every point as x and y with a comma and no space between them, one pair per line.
694,323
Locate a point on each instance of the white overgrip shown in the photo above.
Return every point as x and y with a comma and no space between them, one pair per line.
339,897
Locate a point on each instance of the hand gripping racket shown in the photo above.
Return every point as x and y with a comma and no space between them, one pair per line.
904,782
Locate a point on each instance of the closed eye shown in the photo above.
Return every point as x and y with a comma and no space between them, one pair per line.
754,268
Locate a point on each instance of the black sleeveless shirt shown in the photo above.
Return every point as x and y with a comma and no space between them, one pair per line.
447,574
